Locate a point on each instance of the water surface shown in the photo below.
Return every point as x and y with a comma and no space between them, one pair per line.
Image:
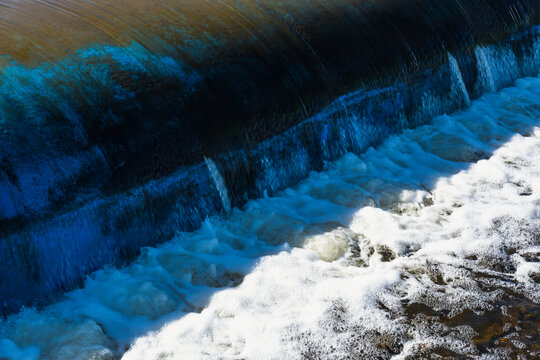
426,245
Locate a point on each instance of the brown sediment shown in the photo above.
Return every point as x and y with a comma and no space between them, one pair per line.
33,31
510,328
514,326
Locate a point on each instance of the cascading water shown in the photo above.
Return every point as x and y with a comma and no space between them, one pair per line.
107,117
189,124
424,245
220,184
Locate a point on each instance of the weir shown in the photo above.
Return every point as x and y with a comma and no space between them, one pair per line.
123,122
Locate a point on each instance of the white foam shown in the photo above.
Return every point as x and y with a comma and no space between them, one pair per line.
332,264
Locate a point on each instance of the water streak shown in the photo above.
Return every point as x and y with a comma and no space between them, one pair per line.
221,187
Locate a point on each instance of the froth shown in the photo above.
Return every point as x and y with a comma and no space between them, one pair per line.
397,253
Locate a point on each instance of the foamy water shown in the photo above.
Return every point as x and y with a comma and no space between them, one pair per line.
397,253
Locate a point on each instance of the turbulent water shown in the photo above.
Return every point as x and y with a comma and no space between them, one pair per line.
426,247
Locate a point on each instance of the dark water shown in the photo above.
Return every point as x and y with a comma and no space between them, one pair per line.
424,247
122,123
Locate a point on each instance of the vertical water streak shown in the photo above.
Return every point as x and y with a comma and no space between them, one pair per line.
531,58
459,89
219,182
498,67
486,82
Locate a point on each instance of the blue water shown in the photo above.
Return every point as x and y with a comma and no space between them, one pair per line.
276,278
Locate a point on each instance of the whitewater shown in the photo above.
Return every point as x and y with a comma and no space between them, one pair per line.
427,245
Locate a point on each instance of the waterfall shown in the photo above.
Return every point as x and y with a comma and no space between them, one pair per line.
105,125
459,90
221,187
486,81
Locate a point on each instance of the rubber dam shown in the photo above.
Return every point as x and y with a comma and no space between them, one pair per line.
123,122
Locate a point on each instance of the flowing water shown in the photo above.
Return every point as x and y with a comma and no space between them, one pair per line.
123,122
427,246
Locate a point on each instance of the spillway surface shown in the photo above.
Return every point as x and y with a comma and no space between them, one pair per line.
425,246
122,122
